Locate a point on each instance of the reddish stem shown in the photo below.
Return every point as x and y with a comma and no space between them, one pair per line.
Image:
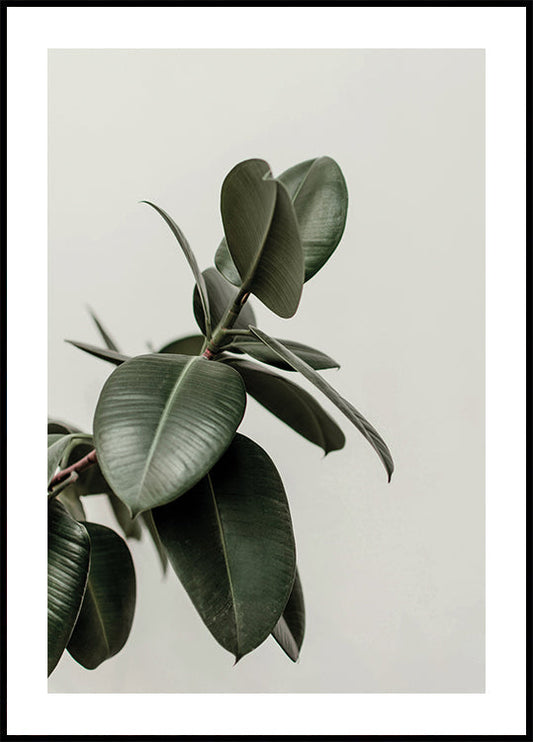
78,466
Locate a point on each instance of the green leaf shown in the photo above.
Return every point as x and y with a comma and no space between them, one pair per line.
230,542
256,349
289,630
58,426
161,422
148,519
343,405
188,346
292,404
68,567
262,236
178,234
221,294
106,355
319,196
108,340
318,192
106,614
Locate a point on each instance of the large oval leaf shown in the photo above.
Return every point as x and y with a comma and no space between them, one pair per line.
221,294
231,544
364,427
320,198
106,614
292,404
68,567
188,346
161,422
258,350
290,629
262,236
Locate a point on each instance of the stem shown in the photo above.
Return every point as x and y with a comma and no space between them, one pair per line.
226,323
77,467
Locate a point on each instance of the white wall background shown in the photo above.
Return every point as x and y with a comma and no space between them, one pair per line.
393,575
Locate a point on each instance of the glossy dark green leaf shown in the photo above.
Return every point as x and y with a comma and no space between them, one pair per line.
221,294
68,567
106,614
161,422
258,350
320,197
292,404
188,346
105,354
230,542
106,337
262,236
148,520
290,629
343,405
178,234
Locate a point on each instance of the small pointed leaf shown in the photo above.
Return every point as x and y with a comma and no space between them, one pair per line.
343,405
108,340
178,234
262,236
106,355
106,614
230,542
161,422
292,404
68,567
318,192
289,630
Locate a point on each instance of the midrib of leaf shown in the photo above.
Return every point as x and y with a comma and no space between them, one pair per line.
297,192
162,422
251,273
99,615
226,560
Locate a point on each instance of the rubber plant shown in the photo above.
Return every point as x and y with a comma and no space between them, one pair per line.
165,447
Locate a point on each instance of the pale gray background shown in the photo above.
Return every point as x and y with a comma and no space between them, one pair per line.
393,575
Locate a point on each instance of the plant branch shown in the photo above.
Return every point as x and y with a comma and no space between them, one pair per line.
72,477
226,323
77,467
